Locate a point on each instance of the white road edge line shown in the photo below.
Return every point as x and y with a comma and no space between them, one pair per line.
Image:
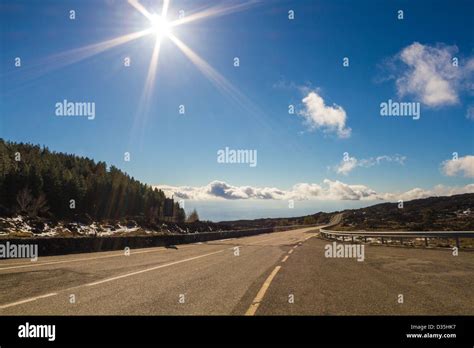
152,268
256,303
28,300
107,280
258,299
35,264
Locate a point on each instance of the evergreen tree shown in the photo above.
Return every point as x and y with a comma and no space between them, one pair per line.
36,181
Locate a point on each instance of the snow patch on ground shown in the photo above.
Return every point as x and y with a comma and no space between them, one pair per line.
21,225
24,226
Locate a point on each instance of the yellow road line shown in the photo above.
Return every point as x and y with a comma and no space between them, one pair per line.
258,299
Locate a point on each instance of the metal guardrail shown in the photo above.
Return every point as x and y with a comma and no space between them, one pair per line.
397,235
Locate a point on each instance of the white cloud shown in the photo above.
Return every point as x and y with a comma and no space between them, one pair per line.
329,190
429,75
347,165
438,190
340,191
318,115
220,189
461,166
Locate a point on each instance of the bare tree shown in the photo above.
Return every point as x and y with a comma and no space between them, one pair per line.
40,205
24,200
193,217
29,205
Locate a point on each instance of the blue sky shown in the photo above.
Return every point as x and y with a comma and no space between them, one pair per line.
282,61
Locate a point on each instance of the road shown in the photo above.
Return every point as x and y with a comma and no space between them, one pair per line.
252,275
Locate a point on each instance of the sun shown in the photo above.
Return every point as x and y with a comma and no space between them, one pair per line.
160,26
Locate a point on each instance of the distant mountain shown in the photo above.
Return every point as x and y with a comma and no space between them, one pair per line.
455,213
318,218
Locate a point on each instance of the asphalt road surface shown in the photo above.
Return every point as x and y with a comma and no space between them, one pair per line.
276,273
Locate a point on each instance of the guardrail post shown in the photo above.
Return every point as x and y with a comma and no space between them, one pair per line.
457,242
401,240
426,241
382,241
365,239
352,239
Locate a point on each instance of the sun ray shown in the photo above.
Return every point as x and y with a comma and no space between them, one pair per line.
223,85
145,99
215,11
151,75
142,112
63,59
140,8
164,10
251,110
204,67
81,53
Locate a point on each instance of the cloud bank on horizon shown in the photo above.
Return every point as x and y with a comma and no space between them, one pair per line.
332,190
329,190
